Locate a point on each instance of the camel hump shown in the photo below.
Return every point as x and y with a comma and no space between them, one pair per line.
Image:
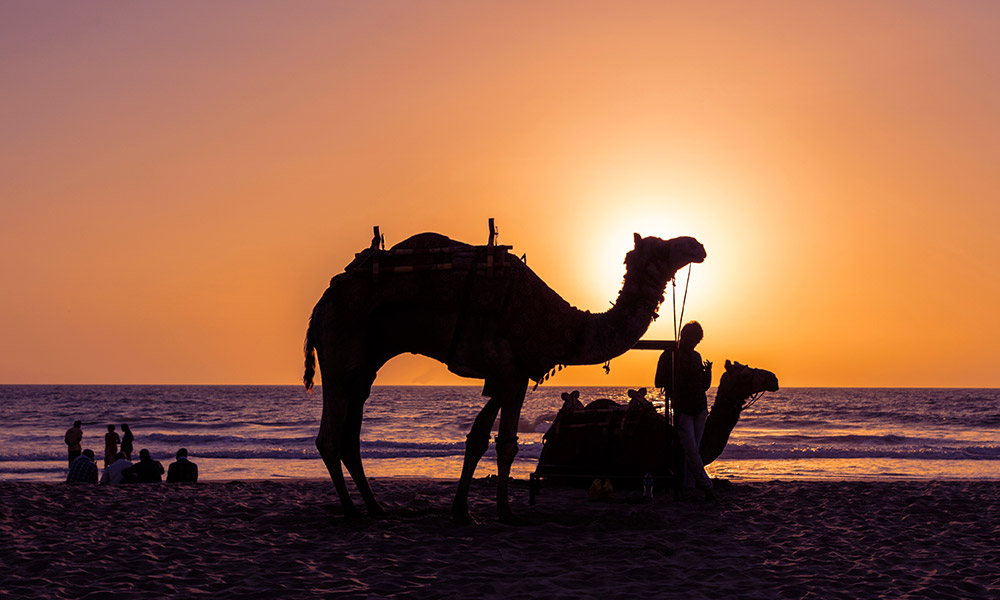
424,241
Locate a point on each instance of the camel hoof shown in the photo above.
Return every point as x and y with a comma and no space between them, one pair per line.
462,517
376,511
509,518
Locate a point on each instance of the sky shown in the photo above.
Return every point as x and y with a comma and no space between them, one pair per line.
180,180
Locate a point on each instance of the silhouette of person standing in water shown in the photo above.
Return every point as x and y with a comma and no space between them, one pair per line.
694,377
74,435
111,440
127,441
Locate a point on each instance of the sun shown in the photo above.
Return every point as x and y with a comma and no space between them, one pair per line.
610,235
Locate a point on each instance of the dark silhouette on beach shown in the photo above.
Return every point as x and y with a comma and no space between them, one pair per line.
83,469
117,473
128,441
609,440
483,313
146,470
73,438
182,470
111,440
693,378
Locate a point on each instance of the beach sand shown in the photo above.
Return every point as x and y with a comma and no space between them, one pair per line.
270,539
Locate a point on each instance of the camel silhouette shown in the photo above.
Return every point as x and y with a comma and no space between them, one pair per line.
740,386
608,439
484,314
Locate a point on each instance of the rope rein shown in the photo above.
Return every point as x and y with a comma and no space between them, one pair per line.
753,399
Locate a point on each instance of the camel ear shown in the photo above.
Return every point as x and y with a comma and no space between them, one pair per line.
729,365
575,394
637,238
566,396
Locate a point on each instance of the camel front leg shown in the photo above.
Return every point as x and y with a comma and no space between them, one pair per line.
506,445
476,445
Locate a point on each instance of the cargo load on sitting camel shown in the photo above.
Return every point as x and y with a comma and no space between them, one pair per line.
608,440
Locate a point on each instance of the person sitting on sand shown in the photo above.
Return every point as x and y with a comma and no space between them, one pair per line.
111,440
114,474
146,470
127,439
694,377
83,469
74,435
182,470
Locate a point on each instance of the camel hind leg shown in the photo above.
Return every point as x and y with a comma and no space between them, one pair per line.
329,441
339,437
351,448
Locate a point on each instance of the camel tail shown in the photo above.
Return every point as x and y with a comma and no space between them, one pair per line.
310,353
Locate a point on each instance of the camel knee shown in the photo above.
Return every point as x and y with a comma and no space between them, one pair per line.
506,449
476,444
328,448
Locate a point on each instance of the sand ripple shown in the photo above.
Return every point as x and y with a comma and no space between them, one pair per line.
287,540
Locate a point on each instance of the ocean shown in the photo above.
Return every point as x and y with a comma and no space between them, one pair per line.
268,432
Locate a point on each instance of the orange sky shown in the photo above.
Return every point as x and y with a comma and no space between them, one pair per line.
179,181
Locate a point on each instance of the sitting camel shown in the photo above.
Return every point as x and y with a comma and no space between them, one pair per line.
608,439
485,315
739,388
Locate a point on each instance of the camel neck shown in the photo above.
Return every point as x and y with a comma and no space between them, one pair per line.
610,334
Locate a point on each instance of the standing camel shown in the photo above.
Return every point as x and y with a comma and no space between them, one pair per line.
485,315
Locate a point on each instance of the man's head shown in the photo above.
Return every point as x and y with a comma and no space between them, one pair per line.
182,453
144,455
119,456
691,334
89,453
111,427
77,424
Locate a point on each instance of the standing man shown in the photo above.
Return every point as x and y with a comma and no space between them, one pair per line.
182,470
694,377
74,435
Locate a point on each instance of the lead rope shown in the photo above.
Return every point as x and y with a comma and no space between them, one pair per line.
753,399
674,298
684,302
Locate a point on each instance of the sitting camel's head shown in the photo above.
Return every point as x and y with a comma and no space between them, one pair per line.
666,256
740,382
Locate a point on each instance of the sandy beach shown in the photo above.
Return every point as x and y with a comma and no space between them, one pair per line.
269,539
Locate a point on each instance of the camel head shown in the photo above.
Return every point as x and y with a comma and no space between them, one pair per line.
740,382
664,257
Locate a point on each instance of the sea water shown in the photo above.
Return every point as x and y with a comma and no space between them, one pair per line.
268,432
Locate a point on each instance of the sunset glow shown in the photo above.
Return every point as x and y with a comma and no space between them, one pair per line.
180,181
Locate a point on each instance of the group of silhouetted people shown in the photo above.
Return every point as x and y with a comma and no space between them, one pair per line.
118,465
